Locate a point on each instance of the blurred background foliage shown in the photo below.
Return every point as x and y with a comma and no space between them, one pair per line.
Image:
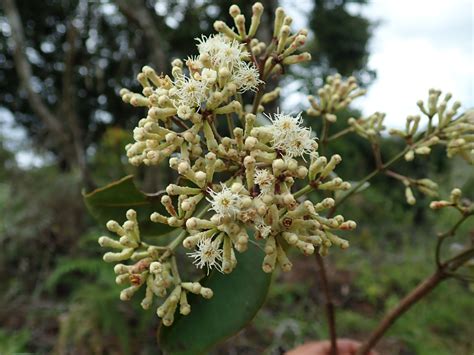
58,296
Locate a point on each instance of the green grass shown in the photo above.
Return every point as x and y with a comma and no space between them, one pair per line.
368,283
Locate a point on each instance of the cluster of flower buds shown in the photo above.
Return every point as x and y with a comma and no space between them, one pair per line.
248,179
435,107
334,96
425,186
455,132
460,137
369,128
422,147
280,52
159,277
463,205
209,85
259,197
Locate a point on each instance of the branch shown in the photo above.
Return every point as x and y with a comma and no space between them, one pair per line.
329,304
414,296
443,272
137,12
447,234
68,106
25,73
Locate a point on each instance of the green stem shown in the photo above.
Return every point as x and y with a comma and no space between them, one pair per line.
303,191
324,135
443,272
329,304
370,176
339,134
174,270
179,239
256,100
230,124
447,234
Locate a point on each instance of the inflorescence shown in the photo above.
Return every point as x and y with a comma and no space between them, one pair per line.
245,185
232,188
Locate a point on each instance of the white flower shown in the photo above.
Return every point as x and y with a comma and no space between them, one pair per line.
290,136
222,50
246,77
208,254
264,180
263,228
190,92
225,202
194,63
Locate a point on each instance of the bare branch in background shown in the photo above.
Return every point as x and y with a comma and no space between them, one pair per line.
68,107
136,11
72,149
25,73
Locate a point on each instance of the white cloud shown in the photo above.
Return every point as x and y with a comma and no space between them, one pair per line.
419,45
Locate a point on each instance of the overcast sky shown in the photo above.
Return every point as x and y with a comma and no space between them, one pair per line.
417,45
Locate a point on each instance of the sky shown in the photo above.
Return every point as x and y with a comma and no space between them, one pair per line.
416,45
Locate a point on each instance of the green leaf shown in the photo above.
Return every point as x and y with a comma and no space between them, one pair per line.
112,202
237,298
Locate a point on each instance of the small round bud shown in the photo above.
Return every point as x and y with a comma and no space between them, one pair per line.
112,226
257,8
292,164
206,293
103,241
234,10
278,165
301,172
128,225
210,156
183,167
246,202
200,176
120,269
125,295
236,187
131,214
286,266
191,223
250,143
185,309
156,267
161,312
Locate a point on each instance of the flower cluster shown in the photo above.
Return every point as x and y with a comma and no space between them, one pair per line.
449,130
247,185
151,269
335,95
455,201
369,128
454,132
460,137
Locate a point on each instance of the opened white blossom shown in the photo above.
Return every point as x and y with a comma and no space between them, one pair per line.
265,180
247,77
221,50
290,136
225,202
207,254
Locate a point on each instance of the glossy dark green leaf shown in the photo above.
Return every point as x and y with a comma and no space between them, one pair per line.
112,202
237,298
